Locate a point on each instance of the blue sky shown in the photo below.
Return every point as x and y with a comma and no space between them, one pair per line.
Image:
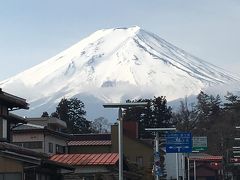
33,31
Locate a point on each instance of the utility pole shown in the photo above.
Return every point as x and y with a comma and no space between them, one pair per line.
120,106
157,169
195,170
188,168
157,154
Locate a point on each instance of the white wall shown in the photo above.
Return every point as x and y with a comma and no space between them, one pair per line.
170,165
55,140
30,137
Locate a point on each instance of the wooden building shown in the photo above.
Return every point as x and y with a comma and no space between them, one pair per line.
9,102
90,143
207,167
90,166
18,163
138,162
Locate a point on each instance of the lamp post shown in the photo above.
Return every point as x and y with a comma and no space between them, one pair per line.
121,106
156,130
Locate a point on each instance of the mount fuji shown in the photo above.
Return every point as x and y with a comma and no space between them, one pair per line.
112,65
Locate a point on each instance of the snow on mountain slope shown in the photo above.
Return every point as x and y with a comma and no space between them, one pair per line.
112,65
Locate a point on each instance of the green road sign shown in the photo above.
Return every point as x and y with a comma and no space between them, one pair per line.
199,148
199,143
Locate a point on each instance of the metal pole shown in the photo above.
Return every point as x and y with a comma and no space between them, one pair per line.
120,143
183,166
177,166
188,169
195,174
157,151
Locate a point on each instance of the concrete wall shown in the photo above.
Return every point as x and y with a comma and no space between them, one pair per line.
55,140
46,139
29,137
171,160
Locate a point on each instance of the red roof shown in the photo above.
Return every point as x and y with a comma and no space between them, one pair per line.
86,159
206,158
89,143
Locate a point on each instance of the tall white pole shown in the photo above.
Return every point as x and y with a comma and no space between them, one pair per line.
157,151
120,143
183,166
177,166
195,173
188,168
120,128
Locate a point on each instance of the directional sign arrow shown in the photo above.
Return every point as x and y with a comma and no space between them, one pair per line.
179,142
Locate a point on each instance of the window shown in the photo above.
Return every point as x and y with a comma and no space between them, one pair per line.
4,128
139,160
32,145
50,147
60,149
18,143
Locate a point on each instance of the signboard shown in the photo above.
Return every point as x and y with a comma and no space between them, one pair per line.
180,142
199,143
157,168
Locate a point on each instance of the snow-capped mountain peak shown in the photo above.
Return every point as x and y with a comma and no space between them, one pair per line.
114,64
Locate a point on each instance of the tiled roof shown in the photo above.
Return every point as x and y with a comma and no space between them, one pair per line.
24,153
28,126
86,159
13,101
204,157
89,143
21,150
13,118
209,158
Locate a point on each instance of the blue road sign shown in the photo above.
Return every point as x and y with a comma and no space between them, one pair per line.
180,142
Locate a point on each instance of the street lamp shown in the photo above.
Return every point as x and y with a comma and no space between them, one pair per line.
157,153
120,128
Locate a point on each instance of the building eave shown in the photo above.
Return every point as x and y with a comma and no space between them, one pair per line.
13,102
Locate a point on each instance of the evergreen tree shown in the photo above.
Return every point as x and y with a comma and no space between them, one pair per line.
54,114
208,109
156,114
45,114
162,113
209,118
72,112
233,102
62,110
185,118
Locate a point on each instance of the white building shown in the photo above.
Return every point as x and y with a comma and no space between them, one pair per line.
42,135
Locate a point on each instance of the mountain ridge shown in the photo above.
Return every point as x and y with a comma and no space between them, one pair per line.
114,64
